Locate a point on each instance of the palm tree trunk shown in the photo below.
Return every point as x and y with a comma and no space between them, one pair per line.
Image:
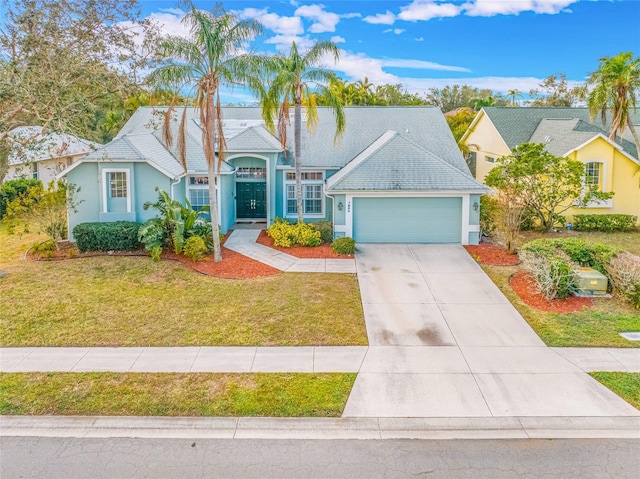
297,130
213,211
209,142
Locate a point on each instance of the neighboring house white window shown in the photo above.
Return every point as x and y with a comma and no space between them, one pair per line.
595,178
490,159
198,191
34,170
312,197
593,175
116,192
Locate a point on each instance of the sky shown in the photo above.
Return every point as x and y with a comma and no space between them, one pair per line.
495,44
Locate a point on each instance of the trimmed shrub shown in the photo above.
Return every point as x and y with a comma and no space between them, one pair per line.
488,212
604,222
194,248
10,190
286,235
344,245
554,275
581,252
116,236
326,231
624,272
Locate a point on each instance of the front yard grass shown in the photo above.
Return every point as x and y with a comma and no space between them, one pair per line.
175,394
597,326
132,301
625,385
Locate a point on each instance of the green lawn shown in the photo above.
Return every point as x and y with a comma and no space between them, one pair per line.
625,385
174,394
597,326
133,301
594,327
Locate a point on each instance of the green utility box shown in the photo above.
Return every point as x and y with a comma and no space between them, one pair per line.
591,282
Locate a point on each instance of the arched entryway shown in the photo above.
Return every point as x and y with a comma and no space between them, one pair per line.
251,193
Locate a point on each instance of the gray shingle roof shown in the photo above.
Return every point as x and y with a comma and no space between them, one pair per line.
254,138
395,163
137,148
45,146
425,126
518,125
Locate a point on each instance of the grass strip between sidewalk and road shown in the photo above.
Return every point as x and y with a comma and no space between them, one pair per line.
175,394
625,385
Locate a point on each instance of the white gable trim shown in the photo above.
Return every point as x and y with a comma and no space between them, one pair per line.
366,153
612,143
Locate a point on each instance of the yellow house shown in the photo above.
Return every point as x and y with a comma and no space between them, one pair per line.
612,166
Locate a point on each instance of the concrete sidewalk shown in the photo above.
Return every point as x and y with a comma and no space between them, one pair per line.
320,428
243,241
311,359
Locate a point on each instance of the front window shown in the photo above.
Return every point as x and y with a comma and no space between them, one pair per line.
198,191
312,196
117,184
199,198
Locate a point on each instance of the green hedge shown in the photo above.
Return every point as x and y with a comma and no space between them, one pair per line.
11,189
592,255
344,245
116,236
604,222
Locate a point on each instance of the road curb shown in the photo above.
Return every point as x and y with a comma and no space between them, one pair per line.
321,428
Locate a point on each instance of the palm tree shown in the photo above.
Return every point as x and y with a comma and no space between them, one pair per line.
204,62
363,88
513,94
616,83
296,79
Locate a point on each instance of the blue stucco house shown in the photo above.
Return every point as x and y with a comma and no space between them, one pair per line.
396,174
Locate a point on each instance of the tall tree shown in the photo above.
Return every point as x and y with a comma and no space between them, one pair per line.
64,62
457,96
512,95
208,59
616,83
556,91
298,79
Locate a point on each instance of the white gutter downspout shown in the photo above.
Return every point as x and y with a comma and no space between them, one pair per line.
333,204
177,180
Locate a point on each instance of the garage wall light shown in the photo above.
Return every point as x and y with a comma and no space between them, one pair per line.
475,206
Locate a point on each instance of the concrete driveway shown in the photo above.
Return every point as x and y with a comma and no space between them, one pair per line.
445,342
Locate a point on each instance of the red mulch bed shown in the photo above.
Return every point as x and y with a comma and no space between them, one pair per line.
233,265
323,251
490,253
525,287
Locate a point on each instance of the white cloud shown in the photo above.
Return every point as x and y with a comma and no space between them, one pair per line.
489,8
386,18
420,64
338,39
428,9
169,21
283,42
397,31
419,39
280,25
323,21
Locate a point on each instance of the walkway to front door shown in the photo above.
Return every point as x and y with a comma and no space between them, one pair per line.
251,200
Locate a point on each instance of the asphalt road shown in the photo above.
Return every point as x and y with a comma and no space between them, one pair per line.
26,457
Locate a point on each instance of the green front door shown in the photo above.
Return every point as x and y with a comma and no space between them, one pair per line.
251,200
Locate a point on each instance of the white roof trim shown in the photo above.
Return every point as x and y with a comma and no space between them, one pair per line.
367,152
612,143
151,164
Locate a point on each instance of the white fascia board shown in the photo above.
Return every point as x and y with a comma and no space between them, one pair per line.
408,193
612,143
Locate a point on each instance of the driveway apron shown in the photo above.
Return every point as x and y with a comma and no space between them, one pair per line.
445,342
